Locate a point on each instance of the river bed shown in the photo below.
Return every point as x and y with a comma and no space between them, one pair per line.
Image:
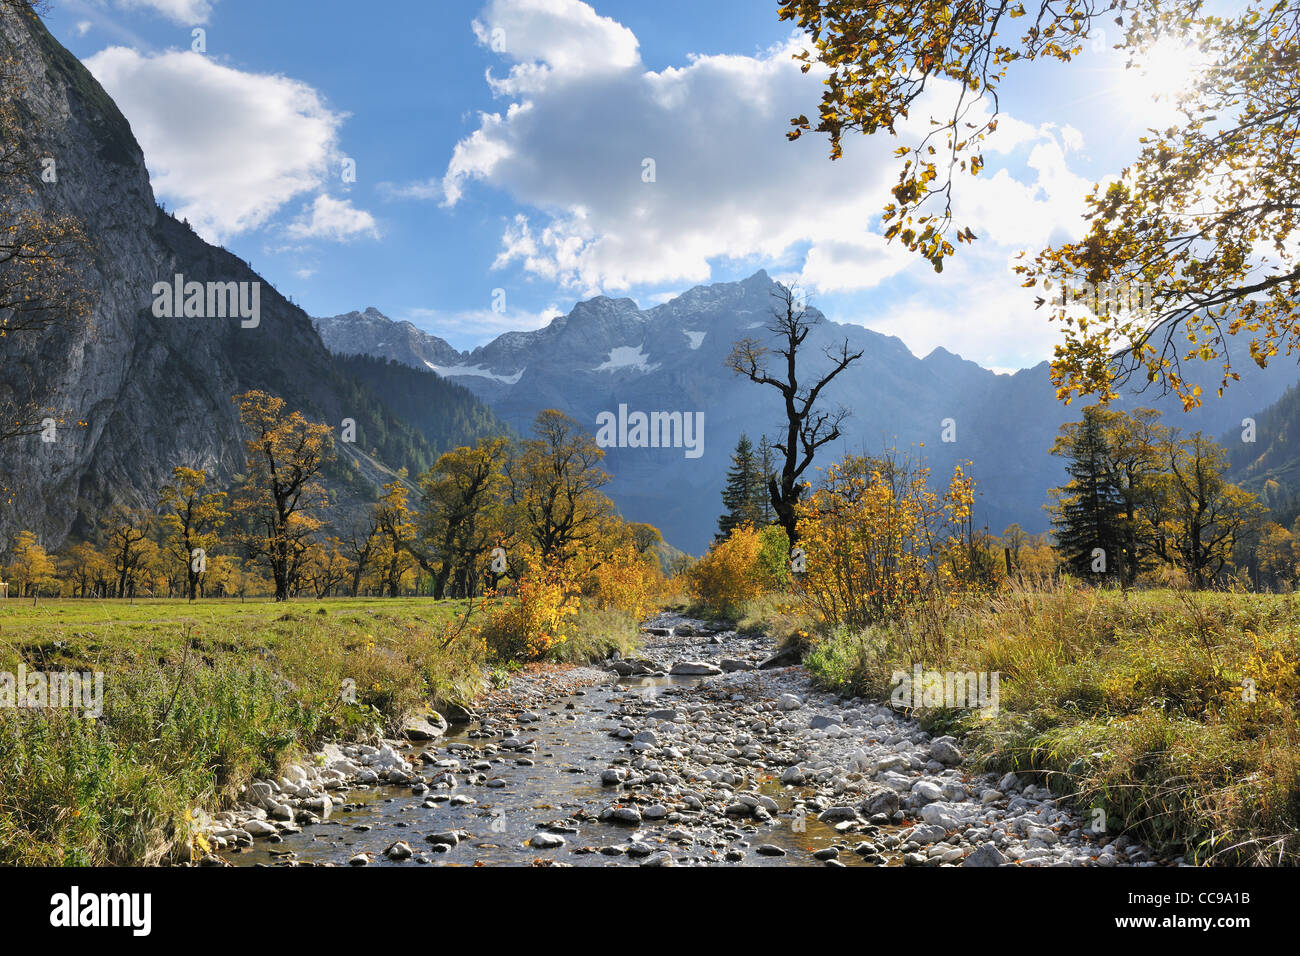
702,750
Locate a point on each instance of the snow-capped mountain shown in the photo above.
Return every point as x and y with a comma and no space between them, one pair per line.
608,354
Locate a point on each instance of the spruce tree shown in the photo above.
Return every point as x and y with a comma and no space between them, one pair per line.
742,496
1090,510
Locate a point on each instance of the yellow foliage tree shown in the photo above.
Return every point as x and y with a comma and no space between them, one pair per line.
279,499
877,539
190,523
539,617
625,580
31,570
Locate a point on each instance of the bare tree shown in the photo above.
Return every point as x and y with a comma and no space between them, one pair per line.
807,427
360,548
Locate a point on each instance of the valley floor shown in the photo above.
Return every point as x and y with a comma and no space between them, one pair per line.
1173,714
687,754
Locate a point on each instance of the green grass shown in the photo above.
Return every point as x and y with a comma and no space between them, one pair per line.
201,698
198,699
600,633
1134,704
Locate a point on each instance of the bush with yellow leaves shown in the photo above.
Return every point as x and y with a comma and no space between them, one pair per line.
877,540
740,568
625,580
538,618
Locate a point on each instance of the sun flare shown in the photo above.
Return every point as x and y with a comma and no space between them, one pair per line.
1161,75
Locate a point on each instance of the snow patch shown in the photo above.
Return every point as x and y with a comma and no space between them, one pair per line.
627,356
695,337
477,371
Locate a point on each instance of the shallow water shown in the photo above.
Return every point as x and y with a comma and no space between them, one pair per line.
562,786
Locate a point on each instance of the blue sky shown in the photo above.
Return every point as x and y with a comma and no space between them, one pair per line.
532,182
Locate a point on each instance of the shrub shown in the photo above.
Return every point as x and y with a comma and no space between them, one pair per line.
537,619
626,580
733,572
877,540
774,558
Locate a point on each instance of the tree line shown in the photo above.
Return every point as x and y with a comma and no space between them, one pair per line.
1143,504
1143,497
480,516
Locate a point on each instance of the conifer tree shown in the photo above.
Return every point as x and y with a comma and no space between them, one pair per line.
1089,512
745,493
766,460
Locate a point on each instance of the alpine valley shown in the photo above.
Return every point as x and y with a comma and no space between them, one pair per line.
138,392
608,353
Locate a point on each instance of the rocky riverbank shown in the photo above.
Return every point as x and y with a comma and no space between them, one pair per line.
711,753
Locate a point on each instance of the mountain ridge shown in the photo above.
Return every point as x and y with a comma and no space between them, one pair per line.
670,357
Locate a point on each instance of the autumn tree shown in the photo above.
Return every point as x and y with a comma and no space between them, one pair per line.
82,567
326,567
878,539
397,546
553,483
280,497
1204,222
643,537
807,426
30,569
1014,540
1207,513
359,547
1200,230
1276,556
1133,463
190,522
227,576
128,545
460,515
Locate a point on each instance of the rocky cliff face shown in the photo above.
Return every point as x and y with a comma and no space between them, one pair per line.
140,394
607,353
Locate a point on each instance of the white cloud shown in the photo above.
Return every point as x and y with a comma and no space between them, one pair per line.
583,114
979,311
184,12
338,219
834,265
227,149
82,28
424,189
553,38
1005,210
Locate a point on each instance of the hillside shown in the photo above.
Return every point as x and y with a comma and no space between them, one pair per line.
1270,466
141,394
